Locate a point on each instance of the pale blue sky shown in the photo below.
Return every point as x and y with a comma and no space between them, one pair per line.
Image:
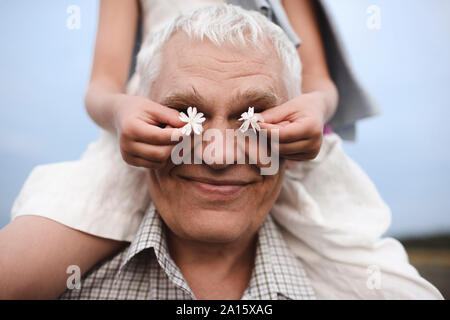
405,65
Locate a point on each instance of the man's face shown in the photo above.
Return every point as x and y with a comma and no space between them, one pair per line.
216,203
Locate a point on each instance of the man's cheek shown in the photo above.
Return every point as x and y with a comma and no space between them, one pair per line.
273,184
260,150
160,184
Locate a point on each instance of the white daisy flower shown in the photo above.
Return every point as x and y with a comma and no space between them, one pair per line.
194,121
250,118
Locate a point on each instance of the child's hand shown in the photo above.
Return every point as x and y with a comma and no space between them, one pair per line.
300,121
145,128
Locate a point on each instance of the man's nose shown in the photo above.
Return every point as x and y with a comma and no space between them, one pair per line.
218,146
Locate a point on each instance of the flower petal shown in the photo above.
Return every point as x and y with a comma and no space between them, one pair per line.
256,126
244,126
198,116
244,116
253,127
186,130
183,117
190,112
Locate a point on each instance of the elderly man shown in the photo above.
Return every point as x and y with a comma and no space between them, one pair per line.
208,233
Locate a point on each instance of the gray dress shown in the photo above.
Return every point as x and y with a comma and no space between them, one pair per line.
354,102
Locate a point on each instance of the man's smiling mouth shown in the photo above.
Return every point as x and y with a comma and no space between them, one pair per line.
217,188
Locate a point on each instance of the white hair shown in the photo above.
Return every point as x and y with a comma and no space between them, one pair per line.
221,24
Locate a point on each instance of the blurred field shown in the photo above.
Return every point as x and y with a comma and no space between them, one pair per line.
431,257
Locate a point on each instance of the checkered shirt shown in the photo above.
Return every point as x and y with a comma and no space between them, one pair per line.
145,270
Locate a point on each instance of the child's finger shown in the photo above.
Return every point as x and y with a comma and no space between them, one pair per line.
276,114
271,126
293,132
288,132
303,146
300,157
167,115
152,134
140,162
150,152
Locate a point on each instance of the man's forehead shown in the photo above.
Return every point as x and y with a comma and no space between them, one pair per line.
185,56
181,45
194,70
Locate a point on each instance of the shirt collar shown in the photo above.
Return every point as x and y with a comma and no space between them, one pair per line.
277,272
152,233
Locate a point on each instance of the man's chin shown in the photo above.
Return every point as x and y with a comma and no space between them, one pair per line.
214,226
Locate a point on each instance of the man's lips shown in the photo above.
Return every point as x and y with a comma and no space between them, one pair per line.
218,187
218,182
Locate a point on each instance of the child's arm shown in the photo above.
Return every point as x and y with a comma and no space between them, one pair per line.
34,251
315,73
35,254
135,119
116,33
301,119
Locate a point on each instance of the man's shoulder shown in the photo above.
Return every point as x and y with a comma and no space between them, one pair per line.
100,282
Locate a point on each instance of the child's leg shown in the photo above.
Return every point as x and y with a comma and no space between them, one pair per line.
36,252
70,213
64,215
333,218
99,194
